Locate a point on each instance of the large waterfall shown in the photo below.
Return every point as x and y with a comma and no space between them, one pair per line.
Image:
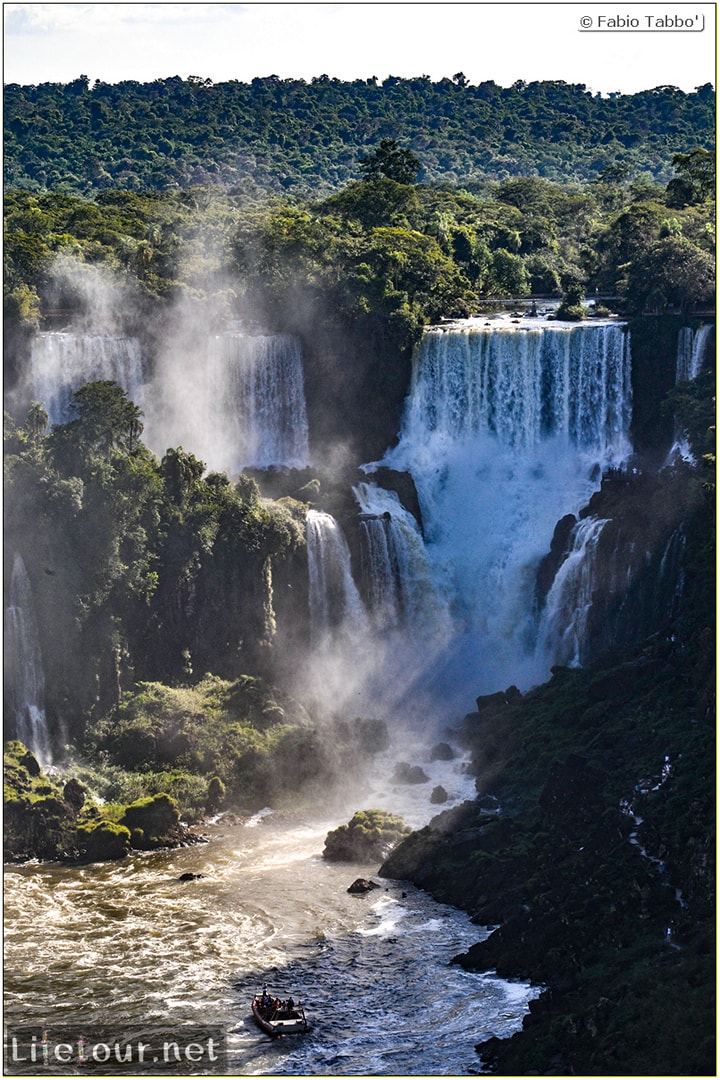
563,624
62,361
692,347
395,567
507,429
256,401
24,678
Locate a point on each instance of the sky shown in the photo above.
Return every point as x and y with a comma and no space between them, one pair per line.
661,43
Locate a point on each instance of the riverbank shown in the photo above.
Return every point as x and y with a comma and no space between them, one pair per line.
614,917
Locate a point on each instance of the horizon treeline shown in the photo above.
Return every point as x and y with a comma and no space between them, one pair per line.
289,136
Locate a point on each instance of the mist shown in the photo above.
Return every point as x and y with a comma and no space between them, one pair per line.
404,616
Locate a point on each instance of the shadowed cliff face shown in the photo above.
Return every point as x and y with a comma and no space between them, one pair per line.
591,846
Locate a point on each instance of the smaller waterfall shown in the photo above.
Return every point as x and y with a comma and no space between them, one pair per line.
563,624
691,350
61,362
395,566
335,602
24,678
257,399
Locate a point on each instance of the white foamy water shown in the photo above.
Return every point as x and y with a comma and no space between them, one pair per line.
127,947
63,361
506,430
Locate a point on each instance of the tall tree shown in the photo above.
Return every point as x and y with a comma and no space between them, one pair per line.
391,160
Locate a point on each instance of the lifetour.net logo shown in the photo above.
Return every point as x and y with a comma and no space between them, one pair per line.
47,1051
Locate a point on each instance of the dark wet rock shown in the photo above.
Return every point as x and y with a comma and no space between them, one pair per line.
409,774
491,702
74,794
442,752
551,563
361,886
439,794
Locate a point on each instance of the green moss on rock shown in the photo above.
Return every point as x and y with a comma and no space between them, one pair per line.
370,835
103,840
154,816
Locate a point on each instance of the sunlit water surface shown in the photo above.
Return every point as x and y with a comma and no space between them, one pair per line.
127,947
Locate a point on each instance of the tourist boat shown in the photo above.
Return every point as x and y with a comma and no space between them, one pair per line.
277,1017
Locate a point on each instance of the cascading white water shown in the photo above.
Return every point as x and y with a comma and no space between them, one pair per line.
561,633
257,399
395,566
335,603
691,351
24,677
506,430
61,362
243,407
238,403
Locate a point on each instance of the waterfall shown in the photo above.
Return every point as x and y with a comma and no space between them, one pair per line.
61,362
506,430
395,566
239,403
561,634
24,679
335,603
242,405
691,350
257,399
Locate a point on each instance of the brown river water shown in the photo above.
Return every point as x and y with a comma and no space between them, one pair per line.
110,957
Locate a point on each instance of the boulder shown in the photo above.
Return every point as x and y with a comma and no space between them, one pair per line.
362,885
409,774
442,752
439,794
369,836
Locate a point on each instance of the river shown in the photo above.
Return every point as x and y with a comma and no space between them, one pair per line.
129,951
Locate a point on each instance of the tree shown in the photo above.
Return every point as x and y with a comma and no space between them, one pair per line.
672,269
106,420
695,181
392,161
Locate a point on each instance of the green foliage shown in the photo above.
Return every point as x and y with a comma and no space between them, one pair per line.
392,161
117,541
251,739
695,179
103,840
215,794
284,135
154,815
369,836
571,308
672,272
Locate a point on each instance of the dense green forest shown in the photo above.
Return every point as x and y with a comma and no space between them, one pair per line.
380,252
353,215
289,135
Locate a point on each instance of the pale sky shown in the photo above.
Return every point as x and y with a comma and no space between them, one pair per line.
57,42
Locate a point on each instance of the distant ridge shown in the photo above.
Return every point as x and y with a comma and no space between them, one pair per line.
287,135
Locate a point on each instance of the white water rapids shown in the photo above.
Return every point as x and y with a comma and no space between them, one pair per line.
128,948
